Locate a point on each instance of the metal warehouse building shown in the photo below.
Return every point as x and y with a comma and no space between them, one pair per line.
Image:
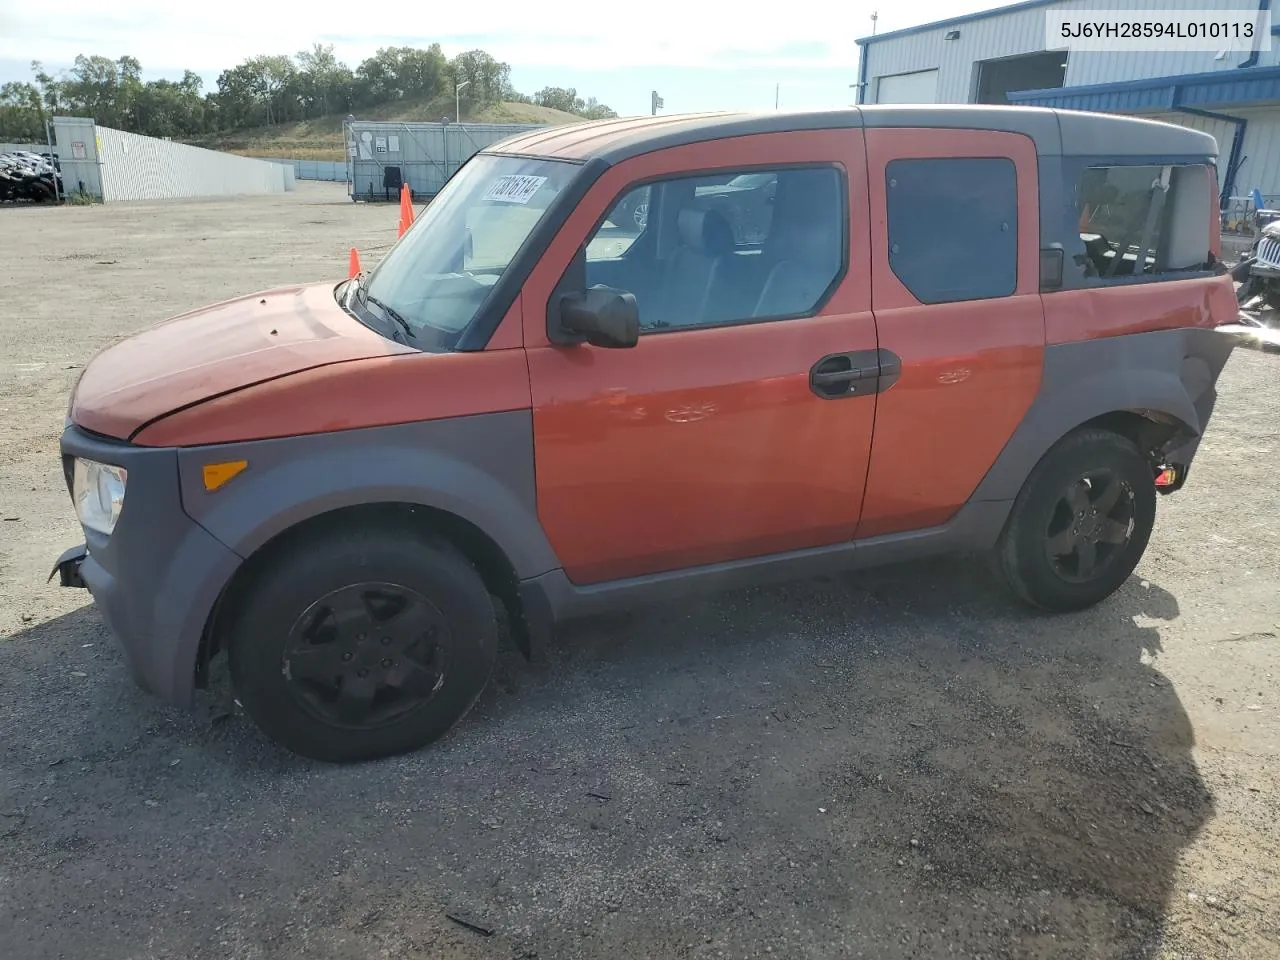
1000,56
383,154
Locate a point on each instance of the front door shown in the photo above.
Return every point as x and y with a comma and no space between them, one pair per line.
737,427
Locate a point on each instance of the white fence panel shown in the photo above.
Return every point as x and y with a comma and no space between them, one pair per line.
27,148
78,154
134,167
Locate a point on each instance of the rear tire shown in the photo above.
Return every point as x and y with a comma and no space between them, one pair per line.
1080,524
362,643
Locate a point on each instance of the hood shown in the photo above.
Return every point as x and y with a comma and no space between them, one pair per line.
217,350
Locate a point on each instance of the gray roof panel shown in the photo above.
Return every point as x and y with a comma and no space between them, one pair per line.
1108,135
1054,132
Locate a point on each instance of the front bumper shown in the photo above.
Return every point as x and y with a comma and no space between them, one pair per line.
67,569
157,577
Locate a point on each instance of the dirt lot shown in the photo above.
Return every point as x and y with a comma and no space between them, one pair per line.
902,765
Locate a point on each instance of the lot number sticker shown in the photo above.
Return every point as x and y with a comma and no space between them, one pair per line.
514,189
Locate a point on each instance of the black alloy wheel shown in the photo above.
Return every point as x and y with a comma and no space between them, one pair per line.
364,655
356,642
1091,526
1081,522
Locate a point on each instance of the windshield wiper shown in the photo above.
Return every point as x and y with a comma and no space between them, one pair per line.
366,298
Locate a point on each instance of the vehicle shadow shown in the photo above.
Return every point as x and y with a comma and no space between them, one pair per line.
899,764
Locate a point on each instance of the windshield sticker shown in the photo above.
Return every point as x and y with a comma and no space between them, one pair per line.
514,189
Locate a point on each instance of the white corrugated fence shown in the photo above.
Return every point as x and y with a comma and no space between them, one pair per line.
115,166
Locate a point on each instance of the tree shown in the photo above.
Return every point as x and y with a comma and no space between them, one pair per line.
92,88
22,113
487,79
164,108
559,98
594,110
266,90
50,88
277,85
324,83
401,73
240,97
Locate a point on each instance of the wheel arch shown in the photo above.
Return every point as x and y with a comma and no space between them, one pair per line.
481,551
1156,389
467,479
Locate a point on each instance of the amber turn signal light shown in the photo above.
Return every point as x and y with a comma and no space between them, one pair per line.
217,474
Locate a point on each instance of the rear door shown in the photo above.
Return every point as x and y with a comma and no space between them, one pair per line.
736,427
955,273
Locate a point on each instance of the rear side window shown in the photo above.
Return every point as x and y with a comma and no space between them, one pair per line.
953,227
1143,220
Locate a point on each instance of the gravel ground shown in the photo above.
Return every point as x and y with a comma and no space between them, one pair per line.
862,767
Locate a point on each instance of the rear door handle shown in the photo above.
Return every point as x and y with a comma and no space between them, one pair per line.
855,374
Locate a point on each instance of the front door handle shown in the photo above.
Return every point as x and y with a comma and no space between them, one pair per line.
844,376
855,374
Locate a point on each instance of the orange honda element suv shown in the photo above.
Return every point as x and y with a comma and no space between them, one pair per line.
632,359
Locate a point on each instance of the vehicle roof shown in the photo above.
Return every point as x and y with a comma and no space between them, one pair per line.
1082,133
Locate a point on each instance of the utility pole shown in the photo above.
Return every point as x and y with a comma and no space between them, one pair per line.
457,101
777,87
655,102
874,17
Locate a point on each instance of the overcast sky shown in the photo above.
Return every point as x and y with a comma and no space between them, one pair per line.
697,55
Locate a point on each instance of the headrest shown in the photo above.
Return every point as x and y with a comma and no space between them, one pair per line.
705,231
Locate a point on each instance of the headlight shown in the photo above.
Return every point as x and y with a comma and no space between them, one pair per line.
98,491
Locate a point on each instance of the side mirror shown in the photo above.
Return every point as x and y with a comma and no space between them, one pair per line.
603,316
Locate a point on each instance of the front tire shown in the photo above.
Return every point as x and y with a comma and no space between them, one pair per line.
361,643
1080,524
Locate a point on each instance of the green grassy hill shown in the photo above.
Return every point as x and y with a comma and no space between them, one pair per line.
321,138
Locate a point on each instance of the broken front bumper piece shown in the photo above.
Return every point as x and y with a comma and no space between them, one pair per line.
67,569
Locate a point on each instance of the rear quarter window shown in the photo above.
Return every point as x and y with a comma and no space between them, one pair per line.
953,227
1143,221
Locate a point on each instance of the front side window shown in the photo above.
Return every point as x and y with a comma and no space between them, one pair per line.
1141,221
439,275
953,227
725,248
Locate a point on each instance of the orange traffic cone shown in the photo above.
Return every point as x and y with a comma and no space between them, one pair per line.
353,270
406,209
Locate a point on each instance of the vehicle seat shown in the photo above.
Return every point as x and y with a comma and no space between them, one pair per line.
805,244
694,273
796,282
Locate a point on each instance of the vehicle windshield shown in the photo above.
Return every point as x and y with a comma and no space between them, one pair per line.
439,275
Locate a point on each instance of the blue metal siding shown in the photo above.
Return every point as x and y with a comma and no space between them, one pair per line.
1252,85
1020,29
331,171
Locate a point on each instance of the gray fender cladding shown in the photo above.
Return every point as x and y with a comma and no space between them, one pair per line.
1169,372
157,576
479,468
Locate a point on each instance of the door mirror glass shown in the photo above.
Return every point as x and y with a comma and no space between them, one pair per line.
602,316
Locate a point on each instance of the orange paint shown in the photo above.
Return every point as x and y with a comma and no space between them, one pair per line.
406,388
1127,308
970,371
217,349
510,332
701,445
